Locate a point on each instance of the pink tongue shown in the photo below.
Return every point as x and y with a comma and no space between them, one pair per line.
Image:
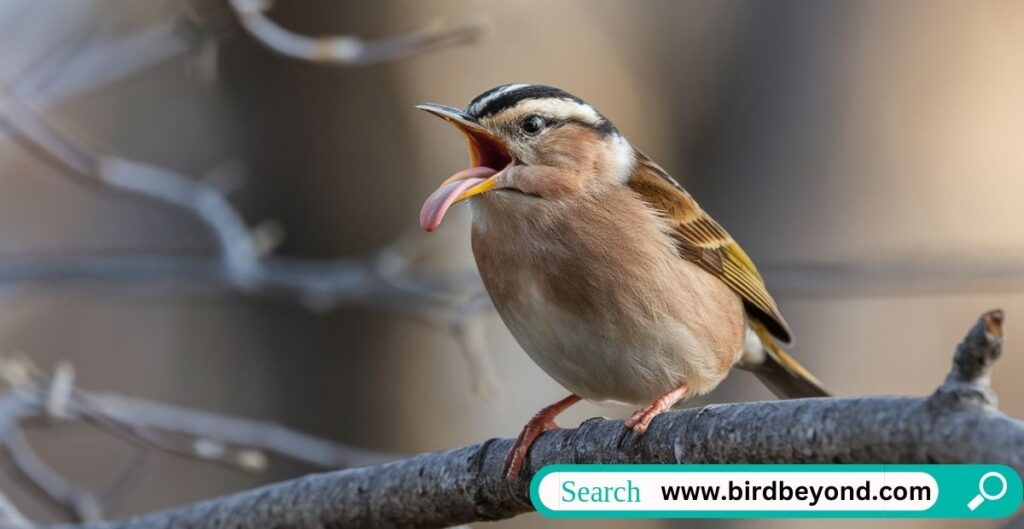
439,201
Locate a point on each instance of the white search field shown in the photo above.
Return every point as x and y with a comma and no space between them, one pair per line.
596,491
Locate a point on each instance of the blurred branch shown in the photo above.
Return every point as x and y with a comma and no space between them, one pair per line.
104,62
239,443
10,516
209,436
348,50
958,423
212,432
81,504
387,281
902,276
90,58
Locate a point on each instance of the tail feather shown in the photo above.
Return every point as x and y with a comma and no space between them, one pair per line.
783,375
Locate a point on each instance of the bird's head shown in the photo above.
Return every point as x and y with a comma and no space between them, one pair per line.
527,143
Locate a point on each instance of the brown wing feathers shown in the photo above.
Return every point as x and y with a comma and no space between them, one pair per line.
702,240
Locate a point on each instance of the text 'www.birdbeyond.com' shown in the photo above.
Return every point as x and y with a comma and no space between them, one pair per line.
774,490
777,491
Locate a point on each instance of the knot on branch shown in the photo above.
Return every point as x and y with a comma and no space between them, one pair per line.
968,380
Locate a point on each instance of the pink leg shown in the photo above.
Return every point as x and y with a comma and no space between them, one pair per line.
640,420
543,421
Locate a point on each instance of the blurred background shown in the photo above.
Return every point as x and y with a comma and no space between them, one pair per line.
868,155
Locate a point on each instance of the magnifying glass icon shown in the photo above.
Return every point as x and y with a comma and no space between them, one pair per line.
982,495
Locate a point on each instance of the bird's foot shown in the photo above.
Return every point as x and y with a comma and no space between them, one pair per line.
517,455
543,421
641,419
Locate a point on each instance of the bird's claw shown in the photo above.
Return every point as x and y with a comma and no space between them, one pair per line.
517,454
641,419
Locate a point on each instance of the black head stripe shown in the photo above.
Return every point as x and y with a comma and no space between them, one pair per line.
503,97
499,98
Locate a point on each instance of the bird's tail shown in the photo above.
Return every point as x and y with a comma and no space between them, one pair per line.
783,375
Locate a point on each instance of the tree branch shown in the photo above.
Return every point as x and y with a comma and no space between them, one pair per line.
348,50
85,507
238,443
213,432
233,441
958,423
10,516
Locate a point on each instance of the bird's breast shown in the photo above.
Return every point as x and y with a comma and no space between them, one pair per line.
596,295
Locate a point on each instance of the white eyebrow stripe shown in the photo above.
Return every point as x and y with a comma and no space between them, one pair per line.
565,109
480,105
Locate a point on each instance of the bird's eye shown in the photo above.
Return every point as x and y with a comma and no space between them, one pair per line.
533,124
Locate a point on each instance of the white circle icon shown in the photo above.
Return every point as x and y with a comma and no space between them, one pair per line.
983,495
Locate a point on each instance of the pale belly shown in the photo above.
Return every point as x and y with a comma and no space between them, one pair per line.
627,327
613,360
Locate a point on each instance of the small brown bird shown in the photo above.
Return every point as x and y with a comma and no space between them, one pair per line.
606,271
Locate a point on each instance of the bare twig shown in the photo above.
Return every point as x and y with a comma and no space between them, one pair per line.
10,516
901,276
81,504
348,50
211,428
194,433
90,60
447,300
236,442
204,201
104,62
956,424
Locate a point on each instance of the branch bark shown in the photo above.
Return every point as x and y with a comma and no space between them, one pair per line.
958,423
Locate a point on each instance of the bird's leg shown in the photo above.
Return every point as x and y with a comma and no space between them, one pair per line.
640,420
543,421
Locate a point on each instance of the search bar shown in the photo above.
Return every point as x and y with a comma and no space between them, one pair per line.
752,491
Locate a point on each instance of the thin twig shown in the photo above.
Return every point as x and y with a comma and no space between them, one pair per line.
390,284
204,201
10,516
82,505
900,276
348,50
199,434
211,427
238,443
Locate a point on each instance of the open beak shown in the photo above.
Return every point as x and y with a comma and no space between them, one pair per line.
488,156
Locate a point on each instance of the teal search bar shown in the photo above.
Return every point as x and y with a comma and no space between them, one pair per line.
776,491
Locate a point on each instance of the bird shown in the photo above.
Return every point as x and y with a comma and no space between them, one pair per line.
605,270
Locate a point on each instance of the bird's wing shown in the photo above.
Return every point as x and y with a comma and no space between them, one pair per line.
700,239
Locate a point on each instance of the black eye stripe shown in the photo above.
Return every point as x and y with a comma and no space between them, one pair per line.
603,128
